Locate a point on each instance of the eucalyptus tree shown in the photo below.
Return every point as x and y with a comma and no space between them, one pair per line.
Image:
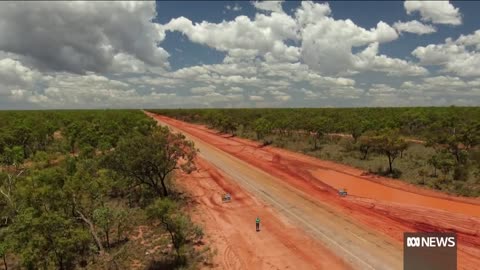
150,160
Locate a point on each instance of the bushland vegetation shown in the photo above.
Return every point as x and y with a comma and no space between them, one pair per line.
436,147
95,190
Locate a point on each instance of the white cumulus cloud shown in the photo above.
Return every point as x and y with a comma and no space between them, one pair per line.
263,35
275,6
327,44
369,59
414,27
14,73
440,12
459,56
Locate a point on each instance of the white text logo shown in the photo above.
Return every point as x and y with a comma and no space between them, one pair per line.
430,241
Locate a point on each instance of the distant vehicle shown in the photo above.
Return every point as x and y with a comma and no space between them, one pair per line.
342,192
226,197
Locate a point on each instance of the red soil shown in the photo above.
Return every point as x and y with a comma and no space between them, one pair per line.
229,228
388,206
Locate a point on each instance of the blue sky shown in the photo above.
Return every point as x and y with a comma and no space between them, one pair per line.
239,54
363,13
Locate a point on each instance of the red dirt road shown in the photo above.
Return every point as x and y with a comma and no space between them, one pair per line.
365,229
229,228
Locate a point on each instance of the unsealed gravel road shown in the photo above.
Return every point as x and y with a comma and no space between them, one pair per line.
359,246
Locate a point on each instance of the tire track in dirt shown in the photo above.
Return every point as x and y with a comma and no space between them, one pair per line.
207,195
231,260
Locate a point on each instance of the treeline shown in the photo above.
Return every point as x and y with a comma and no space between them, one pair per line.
454,132
418,122
73,182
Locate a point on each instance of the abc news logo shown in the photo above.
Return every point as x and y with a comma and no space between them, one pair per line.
429,251
431,241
